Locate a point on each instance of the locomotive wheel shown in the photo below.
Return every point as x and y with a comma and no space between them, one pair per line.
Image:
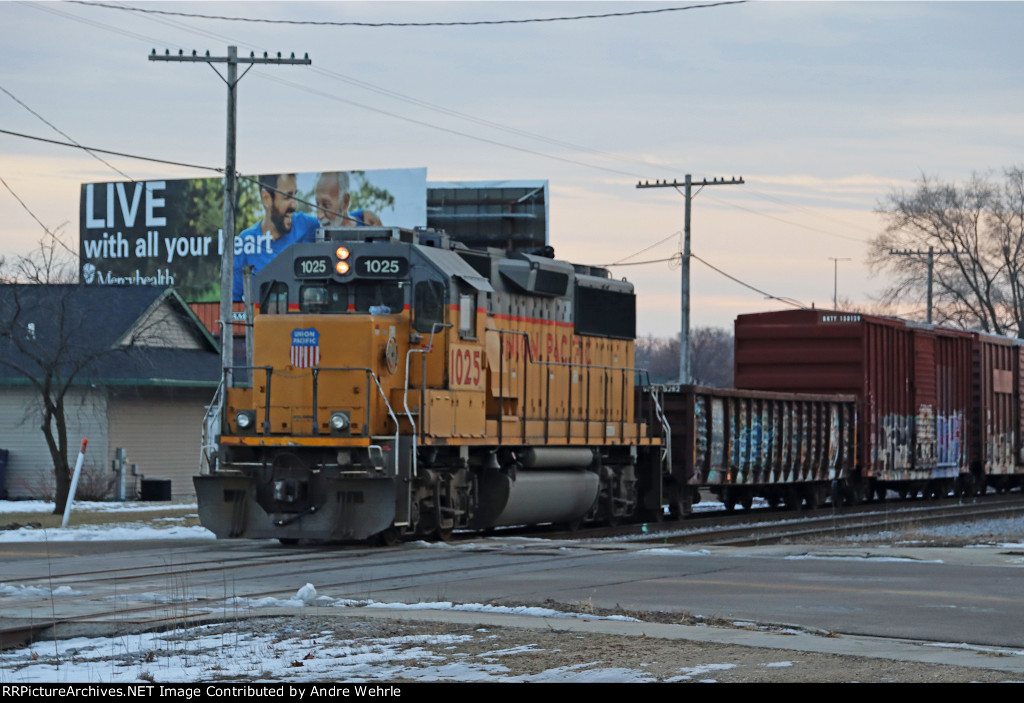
288,541
443,534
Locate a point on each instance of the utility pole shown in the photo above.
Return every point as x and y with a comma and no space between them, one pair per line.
931,253
684,335
835,281
227,237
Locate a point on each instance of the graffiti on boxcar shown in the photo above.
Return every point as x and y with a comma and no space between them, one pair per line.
999,452
949,438
716,469
833,440
701,430
925,457
893,449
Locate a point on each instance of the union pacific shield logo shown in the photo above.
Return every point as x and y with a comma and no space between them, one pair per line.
305,348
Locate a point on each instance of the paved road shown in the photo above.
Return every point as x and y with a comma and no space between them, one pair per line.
974,596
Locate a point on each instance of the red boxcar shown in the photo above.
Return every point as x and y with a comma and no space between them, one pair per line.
996,449
912,383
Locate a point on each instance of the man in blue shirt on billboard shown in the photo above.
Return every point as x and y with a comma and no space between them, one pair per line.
280,227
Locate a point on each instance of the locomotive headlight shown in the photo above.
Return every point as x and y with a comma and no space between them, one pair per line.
342,253
341,267
340,422
245,421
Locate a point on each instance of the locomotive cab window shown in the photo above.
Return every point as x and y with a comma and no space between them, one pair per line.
380,297
274,298
428,305
326,297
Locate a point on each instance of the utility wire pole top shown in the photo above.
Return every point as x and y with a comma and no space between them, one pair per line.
931,254
684,333
227,338
675,184
206,58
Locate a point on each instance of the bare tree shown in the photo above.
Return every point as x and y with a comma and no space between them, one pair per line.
977,233
659,356
711,357
711,353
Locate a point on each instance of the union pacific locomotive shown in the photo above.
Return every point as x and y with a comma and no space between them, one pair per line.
405,385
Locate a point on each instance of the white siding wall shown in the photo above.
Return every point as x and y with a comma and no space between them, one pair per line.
161,431
29,468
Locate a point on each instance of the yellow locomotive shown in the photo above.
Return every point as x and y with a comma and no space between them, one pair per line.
405,385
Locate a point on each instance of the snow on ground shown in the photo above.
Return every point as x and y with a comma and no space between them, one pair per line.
228,652
154,528
46,507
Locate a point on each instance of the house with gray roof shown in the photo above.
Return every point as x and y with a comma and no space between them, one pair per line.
139,368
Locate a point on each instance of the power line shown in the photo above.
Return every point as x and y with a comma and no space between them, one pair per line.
256,181
787,301
108,151
63,134
621,262
369,86
456,132
675,257
40,222
794,224
474,23
783,201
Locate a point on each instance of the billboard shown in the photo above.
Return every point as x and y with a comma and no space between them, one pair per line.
509,215
168,232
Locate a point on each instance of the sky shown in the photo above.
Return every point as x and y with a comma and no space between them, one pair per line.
823,108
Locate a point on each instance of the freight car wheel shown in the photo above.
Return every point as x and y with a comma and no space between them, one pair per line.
747,501
389,537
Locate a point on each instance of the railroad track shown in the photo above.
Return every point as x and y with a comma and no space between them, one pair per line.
193,583
771,526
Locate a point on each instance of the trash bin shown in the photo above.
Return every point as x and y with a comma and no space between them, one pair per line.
155,489
4,453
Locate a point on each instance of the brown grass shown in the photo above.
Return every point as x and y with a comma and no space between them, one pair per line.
81,517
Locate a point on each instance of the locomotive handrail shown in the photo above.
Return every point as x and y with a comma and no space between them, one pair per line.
315,372
369,374
423,387
213,416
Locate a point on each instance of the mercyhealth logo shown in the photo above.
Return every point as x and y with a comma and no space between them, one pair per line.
163,277
305,348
